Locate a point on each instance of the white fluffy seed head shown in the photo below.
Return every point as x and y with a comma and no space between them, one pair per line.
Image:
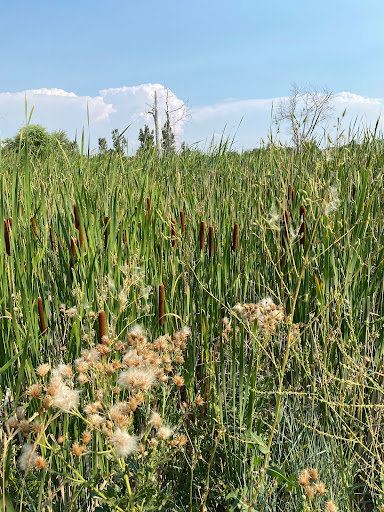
123,443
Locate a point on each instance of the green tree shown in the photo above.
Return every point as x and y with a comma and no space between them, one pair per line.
40,141
146,139
119,142
170,147
103,146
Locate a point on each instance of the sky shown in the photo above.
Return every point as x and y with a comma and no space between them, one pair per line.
228,62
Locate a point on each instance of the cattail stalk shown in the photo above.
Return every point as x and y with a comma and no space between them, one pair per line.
302,226
202,235
149,216
173,233
291,196
211,247
235,238
161,305
34,227
7,238
78,227
106,232
53,240
102,326
43,327
182,220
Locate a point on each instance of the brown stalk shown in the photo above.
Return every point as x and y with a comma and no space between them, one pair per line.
211,247
53,239
7,238
235,239
173,233
291,196
161,304
43,327
102,326
202,235
34,227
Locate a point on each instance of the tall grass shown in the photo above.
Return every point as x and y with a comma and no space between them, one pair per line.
93,249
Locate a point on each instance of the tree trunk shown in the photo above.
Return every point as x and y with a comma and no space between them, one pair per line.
157,126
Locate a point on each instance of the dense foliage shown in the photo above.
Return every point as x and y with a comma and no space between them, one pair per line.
275,265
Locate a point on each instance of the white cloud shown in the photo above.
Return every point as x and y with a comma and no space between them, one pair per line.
245,121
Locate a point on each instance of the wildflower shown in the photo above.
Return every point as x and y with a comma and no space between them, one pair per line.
304,478
47,402
123,443
331,507
164,432
95,420
42,370
320,489
28,457
178,380
60,439
65,398
77,449
313,474
333,203
86,437
71,312
12,422
182,440
155,420
20,413
40,463
199,401
136,378
133,404
65,370
36,427
153,442
309,491
24,426
81,365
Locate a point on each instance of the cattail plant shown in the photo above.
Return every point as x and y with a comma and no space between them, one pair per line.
202,235
291,196
302,226
235,238
53,239
7,238
182,221
211,247
125,237
78,227
161,304
173,233
149,216
43,327
34,227
106,232
102,327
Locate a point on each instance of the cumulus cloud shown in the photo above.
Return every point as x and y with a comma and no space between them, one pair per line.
245,122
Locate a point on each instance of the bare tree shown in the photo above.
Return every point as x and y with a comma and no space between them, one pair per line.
155,113
305,109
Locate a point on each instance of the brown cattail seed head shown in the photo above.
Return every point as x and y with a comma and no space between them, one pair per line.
202,235
7,238
34,227
173,233
235,237
53,239
161,304
291,195
211,248
43,327
102,326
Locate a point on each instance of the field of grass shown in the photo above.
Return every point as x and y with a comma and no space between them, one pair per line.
150,363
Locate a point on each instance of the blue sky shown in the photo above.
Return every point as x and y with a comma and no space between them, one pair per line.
210,53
